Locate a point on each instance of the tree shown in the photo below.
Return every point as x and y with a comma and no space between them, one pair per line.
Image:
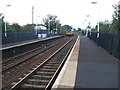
74,29
104,27
115,26
63,30
79,29
67,28
16,27
58,27
10,27
51,23
28,28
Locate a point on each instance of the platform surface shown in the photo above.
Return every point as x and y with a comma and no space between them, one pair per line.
20,43
88,66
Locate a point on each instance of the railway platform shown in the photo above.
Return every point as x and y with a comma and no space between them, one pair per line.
88,66
16,44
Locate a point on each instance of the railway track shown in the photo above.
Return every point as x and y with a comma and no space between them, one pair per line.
19,71
19,59
11,51
44,75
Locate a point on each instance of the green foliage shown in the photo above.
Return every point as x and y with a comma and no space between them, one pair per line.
10,28
58,28
104,27
63,30
79,29
51,23
107,27
74,29
67,28
115,26
28,28
16,27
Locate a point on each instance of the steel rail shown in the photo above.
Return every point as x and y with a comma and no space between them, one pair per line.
42,51
25,52
35,69
51,82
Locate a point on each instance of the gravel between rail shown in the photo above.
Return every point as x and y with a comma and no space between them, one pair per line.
16,60
17,73
44,75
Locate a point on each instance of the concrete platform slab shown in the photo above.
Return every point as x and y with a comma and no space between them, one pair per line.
88,66
96,67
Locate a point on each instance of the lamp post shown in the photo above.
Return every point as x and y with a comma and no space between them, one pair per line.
98,28
6,24
32,14
88,27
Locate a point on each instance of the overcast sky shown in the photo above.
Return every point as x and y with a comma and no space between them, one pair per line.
71,12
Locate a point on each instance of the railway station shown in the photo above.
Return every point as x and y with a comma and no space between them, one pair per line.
82,65
60,45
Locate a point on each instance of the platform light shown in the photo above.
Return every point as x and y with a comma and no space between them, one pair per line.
6,24
93,2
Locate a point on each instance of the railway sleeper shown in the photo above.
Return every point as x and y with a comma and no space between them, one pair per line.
53,62
48,70
45,73
49,64
32,86
41,76
37,82
50,67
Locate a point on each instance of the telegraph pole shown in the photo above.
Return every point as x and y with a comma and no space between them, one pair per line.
32,14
